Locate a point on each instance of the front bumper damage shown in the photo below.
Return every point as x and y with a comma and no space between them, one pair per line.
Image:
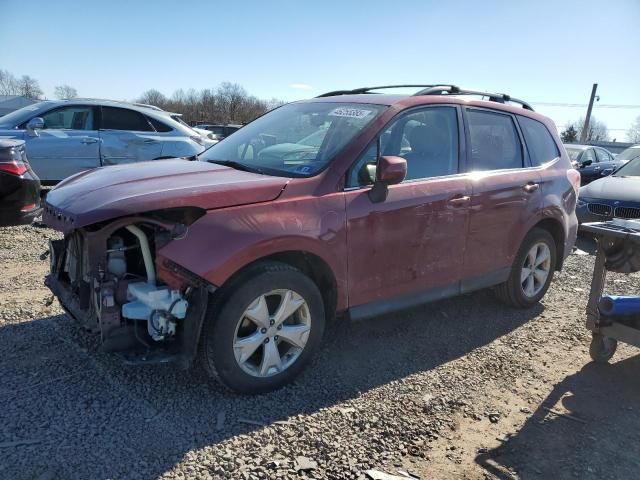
106,278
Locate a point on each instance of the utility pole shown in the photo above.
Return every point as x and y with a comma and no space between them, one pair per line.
585,127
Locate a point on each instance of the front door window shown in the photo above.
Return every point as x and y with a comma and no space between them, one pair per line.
69,118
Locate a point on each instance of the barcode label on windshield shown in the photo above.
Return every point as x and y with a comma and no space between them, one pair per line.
349,112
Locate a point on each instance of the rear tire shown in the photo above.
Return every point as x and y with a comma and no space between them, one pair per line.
528,282
244,335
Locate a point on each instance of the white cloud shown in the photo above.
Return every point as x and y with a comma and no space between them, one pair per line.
301,86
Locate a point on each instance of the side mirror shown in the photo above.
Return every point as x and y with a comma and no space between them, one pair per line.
35,124
586,163
606,172
390,171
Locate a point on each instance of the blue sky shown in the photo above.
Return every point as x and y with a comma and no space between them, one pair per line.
541,51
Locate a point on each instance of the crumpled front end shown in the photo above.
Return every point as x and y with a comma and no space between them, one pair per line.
106,277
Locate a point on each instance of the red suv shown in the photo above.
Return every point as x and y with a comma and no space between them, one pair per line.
352,203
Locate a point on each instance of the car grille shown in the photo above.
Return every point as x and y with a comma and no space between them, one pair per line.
627,212
600,209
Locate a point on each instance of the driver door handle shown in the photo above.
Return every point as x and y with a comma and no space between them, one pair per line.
531,187
88,140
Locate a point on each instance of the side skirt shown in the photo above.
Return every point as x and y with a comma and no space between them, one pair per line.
404,302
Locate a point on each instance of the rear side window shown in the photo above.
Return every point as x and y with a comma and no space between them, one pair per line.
159,126
542,148
124,119
495,144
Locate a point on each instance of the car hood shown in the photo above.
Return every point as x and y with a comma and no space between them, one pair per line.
110,192
625,189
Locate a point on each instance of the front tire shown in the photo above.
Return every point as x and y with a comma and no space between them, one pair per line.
263,329
532,271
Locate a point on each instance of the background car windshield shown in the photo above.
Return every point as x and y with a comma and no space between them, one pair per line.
297,140
631,169
629,154
23,114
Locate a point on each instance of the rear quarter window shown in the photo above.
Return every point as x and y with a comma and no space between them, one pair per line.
542,148
159,126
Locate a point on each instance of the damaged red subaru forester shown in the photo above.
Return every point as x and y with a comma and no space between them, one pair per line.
353,203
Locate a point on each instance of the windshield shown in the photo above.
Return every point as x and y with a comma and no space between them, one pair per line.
295,140
573,152
315,139
23,114
631,169
629,154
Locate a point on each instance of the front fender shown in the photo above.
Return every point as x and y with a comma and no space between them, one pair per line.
224,241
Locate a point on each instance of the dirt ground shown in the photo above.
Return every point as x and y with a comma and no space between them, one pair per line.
461,388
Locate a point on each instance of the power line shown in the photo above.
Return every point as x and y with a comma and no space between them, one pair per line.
582,105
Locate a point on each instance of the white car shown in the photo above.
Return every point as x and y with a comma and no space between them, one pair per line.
64,137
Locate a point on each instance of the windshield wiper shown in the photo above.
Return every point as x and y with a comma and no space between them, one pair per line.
237,165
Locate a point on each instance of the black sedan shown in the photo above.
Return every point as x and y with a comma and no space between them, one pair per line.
616,196
592,162
19,185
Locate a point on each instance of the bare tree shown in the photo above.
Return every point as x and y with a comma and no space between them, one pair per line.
597,130
227,103
633,135
29,87
8,83
65,91
153,97
231,96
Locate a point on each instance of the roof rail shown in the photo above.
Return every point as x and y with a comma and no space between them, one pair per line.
437,89
357,91
455,90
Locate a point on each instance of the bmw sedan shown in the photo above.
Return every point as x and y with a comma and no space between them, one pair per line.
617,195
64,137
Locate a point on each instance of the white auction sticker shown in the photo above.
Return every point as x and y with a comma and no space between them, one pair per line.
349,112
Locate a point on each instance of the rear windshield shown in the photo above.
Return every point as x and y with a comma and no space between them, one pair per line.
295,140
573,152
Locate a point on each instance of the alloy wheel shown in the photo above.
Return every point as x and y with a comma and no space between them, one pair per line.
272,333
535,269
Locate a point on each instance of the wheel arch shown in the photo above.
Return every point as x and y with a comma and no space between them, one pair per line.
555,228
312,265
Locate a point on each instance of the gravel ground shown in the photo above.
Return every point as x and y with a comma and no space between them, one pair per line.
462,388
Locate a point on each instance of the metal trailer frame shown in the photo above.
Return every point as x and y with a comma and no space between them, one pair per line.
608,330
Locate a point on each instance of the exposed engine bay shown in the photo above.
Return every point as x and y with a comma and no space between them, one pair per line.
106,277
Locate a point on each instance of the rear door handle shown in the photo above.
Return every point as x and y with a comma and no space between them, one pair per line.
459,200
88,140
531,187
150,141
